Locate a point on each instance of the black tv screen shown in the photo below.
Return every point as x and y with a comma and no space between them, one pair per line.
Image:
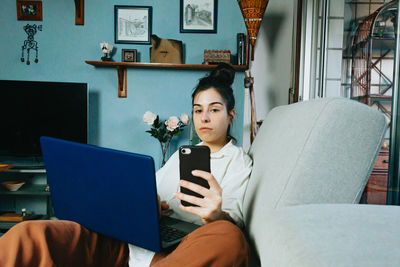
29,110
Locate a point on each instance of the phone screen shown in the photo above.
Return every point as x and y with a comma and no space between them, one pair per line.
193,158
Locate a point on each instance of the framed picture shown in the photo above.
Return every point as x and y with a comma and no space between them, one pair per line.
29,10
198,16
129,55
132,24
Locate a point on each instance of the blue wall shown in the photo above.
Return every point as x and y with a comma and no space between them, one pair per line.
117,122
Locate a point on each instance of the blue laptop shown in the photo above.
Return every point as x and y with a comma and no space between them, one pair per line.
109,191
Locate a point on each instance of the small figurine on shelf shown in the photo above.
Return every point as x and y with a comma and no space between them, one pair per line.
106,48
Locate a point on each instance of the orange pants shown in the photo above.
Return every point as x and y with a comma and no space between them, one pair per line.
65,243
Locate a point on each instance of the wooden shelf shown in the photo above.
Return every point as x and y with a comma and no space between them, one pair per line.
4,167
27,190
26,170
139,65
122,66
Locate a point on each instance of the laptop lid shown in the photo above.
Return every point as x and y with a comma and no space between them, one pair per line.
108,191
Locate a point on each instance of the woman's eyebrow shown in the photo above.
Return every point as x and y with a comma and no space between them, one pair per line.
212,103
216,103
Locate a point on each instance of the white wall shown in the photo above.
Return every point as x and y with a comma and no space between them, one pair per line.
271,67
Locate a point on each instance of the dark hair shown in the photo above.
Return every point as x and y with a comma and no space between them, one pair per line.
221,79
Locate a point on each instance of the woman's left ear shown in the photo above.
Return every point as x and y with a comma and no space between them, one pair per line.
232,115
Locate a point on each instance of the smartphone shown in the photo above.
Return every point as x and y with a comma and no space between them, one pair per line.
193,158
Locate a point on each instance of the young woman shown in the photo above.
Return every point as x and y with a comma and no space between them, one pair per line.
219,242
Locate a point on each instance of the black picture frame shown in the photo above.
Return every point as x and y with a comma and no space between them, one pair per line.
129,55
198,16
132,24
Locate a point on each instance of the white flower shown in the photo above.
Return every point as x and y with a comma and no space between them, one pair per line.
149,117
185,119
172,123
106,47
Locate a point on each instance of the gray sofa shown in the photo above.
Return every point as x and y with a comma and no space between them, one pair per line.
311,163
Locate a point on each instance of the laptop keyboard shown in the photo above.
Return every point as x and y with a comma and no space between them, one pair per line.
169,234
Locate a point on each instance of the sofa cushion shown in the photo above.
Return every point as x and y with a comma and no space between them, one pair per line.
319,151
332,235
314,152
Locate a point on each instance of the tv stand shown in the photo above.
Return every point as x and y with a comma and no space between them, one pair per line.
34,195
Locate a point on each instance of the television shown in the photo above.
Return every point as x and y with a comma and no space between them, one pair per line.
30,109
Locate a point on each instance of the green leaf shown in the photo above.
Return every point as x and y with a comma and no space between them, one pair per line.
156,122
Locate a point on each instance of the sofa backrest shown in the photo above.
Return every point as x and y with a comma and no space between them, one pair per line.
318,151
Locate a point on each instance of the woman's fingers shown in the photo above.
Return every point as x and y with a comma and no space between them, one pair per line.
165,210
204,214
194,210
207,176
209,207
194,187
164,206
188,198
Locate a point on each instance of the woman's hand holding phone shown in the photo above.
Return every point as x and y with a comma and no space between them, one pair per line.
209,207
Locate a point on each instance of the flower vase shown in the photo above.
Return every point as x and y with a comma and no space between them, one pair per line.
164,152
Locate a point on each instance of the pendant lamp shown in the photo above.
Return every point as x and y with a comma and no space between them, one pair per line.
253,13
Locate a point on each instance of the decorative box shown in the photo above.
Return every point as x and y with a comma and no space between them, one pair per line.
217,56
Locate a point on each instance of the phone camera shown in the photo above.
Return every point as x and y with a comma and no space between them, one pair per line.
186,151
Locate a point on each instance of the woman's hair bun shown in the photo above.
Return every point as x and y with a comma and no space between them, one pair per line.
224,73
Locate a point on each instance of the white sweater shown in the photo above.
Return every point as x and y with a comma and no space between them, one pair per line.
231,167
